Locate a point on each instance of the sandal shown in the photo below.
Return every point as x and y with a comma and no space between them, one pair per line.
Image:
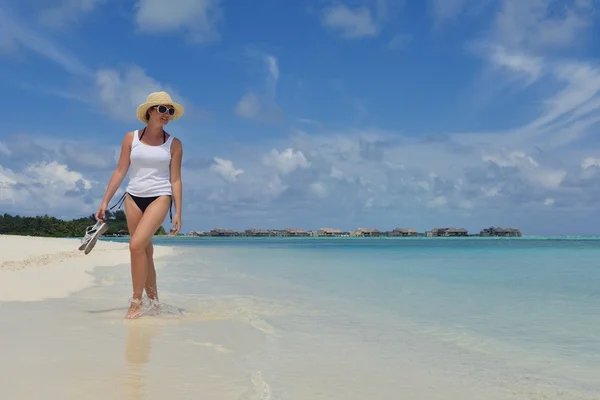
92,233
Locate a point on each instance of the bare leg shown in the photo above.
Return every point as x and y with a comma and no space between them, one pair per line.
134,214
141,239
151,287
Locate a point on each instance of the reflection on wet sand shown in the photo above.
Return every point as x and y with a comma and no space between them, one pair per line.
137,355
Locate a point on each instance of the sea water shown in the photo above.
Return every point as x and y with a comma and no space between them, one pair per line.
521,307
337,318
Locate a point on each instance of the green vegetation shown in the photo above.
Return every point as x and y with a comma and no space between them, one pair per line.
53,227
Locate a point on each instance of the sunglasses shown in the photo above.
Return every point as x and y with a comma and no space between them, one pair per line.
163,109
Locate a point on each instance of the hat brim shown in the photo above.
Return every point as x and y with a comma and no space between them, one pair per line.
143,109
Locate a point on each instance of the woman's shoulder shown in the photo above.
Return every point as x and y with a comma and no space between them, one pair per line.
172,138
128,138
129,135
175,145
175,141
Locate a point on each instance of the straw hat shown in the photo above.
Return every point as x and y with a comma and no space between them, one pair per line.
155,99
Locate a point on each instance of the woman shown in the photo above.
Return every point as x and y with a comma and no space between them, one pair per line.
154,184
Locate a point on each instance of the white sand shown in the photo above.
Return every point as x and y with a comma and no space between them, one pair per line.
36,268
228,345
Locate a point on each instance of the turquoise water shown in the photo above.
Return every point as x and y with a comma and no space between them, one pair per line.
524,307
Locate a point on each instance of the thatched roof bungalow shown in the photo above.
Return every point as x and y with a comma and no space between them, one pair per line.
403,232
258,232
329,232
296,232
446,232
504,232
366,232
223,232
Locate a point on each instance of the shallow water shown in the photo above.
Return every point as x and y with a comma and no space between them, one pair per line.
327,319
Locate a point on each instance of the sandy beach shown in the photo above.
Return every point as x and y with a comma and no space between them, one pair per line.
39,268
63,334
234,327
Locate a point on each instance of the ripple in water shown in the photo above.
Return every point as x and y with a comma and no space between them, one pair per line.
155,308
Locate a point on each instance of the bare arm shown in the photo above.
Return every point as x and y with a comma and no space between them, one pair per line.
177,155
120,171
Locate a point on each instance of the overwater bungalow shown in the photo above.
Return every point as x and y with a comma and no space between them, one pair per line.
447,232
329,232
403,232
258,232
366,232
501,232
296,232
223,232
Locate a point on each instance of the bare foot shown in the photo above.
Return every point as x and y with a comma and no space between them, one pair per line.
134,309
154,306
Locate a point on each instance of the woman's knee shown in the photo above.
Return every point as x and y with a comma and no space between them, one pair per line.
137,245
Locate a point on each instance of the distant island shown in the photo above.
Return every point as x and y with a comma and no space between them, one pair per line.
361,232
54,227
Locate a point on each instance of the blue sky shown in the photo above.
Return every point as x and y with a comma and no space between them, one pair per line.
310,114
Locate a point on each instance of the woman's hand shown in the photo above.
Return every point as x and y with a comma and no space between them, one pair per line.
176,224
101,212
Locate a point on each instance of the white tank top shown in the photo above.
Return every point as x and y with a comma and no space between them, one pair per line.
150,173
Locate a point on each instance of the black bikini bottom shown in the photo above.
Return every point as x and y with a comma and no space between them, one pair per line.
143,203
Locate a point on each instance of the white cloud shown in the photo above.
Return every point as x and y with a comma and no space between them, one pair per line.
119,93
582,84
8,194
438,201
7,177
351,23
336,173
513,159
438,178
4,149
566,115
318,189
518,62
490,191
79,154
285,161
67,12
273,76
225,169
525,33
116,92
83,155
257,107
46,185
198,18
248,106
526,39
56,174
446,175
534,24
590,162
16,32
274,187
399,42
